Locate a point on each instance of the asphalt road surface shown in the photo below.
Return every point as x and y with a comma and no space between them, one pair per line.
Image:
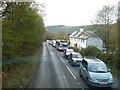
55,72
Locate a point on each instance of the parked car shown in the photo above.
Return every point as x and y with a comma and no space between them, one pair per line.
95,72
75,58
67,52
50,42
53,43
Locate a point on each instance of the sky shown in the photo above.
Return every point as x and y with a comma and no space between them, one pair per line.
72,12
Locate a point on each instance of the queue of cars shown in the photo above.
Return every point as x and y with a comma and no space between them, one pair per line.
93,70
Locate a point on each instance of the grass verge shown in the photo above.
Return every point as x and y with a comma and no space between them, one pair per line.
21,74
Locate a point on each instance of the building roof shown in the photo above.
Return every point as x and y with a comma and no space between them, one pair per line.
78,34
71,35
86,34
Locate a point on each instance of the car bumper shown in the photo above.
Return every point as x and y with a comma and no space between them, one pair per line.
100,84
61,49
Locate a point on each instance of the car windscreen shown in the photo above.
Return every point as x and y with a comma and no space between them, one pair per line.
76,56
62,45
97,67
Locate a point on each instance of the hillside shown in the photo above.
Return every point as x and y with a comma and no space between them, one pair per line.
68,29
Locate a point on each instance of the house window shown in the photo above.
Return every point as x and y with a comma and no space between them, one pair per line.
83,40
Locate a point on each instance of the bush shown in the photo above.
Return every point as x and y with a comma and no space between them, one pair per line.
90,51
25,37
112,62
110,59
75,49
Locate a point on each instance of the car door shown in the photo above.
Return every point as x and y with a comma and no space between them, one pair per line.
84,69
64,53
70,57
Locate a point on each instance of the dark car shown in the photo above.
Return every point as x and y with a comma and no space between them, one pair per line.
67,52
75,59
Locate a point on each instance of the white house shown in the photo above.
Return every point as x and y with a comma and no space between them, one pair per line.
83,39
76,37
72,39
90,38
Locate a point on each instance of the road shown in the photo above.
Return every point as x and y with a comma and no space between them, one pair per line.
55,72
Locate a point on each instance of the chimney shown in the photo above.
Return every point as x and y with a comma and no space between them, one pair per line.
81,30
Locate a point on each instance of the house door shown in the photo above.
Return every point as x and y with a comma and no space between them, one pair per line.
75,45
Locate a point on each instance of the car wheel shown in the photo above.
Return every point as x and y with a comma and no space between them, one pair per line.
80,73
66,57
69,61
87,81
71,64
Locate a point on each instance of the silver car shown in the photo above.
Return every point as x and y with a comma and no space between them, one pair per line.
95,72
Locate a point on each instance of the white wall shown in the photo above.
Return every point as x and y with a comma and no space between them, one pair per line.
82,43
95,41
72,41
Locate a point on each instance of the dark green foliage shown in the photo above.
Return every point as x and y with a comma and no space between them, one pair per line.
23,32
90,51
112,62
75,49
110,59
22,36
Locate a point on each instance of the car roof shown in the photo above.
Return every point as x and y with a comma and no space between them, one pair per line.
93,60
69,49
75,53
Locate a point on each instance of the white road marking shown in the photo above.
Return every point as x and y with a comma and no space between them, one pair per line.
71,72
68,68
62,60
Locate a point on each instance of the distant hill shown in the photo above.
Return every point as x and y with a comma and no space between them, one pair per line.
68,29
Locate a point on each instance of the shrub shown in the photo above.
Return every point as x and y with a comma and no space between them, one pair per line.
90,51
75,49
110,59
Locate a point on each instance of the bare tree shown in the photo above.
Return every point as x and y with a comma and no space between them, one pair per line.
106,17
5,6
39,7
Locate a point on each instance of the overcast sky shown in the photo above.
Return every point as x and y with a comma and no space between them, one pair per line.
73,12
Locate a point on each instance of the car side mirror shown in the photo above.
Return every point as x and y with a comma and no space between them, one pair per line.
109,70
84,69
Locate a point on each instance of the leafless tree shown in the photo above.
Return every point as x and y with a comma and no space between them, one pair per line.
5,6
106,17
